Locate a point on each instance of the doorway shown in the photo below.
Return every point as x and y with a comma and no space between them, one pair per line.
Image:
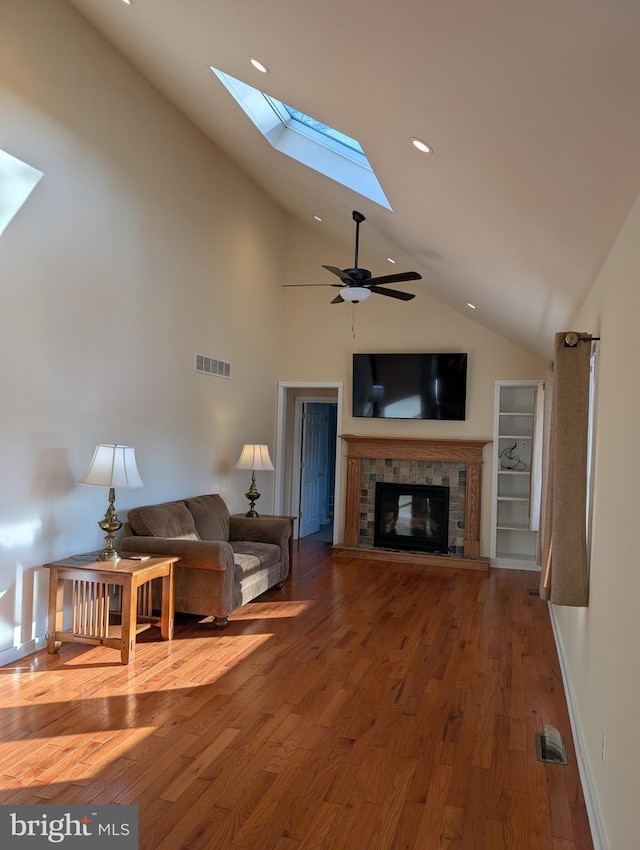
308,452
316,478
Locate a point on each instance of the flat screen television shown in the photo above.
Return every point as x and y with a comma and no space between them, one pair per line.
410,386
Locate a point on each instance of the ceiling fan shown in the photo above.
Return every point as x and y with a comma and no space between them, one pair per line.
358,284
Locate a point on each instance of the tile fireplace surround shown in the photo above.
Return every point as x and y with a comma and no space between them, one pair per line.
385,458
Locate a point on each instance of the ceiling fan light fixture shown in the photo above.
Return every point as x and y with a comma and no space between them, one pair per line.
355,294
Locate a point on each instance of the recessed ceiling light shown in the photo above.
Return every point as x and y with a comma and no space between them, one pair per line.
472,306
422,146
317,218
259,66
128,2
391,260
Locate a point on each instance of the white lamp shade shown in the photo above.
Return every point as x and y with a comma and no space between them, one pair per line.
355,293
254,457
113,466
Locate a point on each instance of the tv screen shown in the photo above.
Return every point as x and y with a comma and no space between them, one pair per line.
410,386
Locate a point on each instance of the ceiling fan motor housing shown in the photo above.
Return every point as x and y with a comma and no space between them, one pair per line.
358,276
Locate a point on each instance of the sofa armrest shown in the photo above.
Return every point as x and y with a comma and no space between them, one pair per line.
263,530
198,554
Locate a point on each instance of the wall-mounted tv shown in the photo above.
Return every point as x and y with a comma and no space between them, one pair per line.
410,386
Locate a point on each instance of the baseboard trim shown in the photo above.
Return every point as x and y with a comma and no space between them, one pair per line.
515,564
598,833
8,656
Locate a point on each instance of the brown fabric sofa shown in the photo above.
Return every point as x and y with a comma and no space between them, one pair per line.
225,561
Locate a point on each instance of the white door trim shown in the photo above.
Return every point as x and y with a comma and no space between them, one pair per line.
283,444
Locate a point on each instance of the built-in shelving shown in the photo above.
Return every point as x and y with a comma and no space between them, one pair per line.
513,544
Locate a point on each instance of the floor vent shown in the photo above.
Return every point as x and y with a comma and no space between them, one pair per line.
211,366
533,591
550,746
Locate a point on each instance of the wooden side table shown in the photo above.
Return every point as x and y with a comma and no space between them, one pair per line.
92,617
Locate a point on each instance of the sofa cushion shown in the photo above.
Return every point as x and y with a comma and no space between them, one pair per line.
168,520
210,516
245,565
267,554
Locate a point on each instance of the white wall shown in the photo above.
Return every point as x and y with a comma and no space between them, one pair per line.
600,643
318,339
141,245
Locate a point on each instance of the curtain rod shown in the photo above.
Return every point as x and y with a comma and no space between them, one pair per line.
572,338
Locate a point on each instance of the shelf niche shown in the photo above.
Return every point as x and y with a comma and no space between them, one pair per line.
513,544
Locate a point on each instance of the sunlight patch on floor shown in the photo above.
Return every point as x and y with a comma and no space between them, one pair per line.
271,610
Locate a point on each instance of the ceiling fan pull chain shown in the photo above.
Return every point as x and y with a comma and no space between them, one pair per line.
353,320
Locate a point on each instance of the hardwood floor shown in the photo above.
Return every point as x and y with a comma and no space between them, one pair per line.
363,706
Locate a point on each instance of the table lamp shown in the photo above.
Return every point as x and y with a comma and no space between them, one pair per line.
254,457
112,466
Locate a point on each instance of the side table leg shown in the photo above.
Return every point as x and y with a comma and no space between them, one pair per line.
129,620
168,604
56,613
293,522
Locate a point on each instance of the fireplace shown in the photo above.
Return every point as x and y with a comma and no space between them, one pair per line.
455,463
412,516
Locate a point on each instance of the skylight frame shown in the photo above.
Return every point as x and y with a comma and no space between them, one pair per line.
310,146
342,140
294,125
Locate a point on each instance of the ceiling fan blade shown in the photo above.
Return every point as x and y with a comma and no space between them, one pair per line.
342,275
395,278
305,285
393,293
338,299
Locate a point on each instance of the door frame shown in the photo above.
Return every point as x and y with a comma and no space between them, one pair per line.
288,445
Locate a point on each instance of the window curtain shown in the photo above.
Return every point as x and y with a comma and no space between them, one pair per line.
562,541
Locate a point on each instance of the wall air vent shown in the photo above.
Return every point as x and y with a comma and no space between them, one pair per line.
211,366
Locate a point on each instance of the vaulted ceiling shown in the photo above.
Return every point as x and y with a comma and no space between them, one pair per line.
532,110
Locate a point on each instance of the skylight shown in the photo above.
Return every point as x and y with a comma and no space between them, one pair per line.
309,141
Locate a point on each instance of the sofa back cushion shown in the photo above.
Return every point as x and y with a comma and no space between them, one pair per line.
210,515
170,520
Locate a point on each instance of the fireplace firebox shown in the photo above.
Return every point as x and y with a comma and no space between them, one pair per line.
412,516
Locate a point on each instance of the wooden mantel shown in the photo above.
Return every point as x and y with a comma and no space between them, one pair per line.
415,448
464,451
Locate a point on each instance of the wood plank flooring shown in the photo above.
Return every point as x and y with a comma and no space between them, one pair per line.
366,706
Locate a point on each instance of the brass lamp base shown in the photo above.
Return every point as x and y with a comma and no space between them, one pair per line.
111,523
253,496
